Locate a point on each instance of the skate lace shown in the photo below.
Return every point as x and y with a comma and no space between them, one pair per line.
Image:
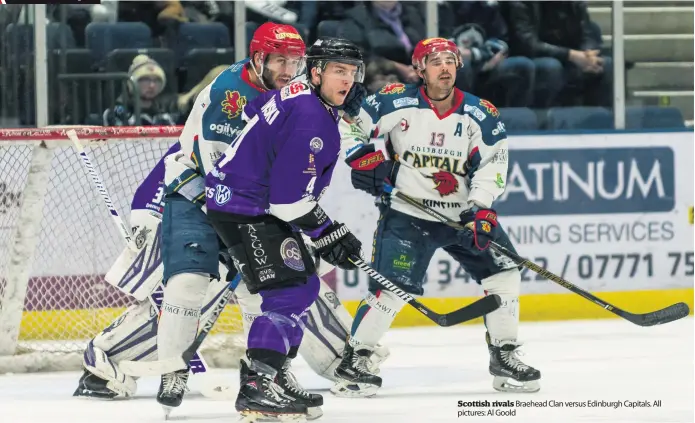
292,384
511,358
174,383
275,391
360,363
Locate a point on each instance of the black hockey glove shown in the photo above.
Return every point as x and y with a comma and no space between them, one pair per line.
353,100
481,228
370,169
336,243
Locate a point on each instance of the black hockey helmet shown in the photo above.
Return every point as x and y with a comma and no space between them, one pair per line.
328,49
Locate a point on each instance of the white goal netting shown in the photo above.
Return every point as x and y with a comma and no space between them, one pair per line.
57,240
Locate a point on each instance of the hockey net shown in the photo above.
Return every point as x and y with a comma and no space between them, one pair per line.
57,241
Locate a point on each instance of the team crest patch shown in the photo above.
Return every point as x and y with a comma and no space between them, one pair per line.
445,183
233,104
486,227
293,90
491,109
291,254
222,194
316,145
395,88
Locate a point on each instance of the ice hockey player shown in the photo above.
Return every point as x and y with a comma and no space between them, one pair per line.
263,194
447,148
132,336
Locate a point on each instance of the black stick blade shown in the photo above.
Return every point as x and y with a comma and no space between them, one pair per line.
659,317
479,308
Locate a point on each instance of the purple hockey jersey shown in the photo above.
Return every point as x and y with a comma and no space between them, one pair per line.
282,161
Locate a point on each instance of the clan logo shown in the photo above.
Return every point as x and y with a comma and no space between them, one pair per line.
491,109
445,183
291,254
395,88
233,104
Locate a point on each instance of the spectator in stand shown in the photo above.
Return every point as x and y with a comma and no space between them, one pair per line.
482,39
557,35
312,12
387,29
379,73
154,109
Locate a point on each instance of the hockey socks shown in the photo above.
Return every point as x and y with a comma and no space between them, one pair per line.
178,320
374,316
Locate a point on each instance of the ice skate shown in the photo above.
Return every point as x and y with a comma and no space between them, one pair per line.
171,390
287,381
260,399
510,373
92,386
353,370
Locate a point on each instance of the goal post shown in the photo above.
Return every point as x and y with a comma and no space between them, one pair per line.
57,240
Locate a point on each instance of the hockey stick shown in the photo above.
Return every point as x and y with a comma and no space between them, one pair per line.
659,317
483,306
160,367
99,185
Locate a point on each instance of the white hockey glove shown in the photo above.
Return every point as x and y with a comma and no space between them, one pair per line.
181,176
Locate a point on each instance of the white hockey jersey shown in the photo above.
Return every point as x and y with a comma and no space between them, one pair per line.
214,122
450,162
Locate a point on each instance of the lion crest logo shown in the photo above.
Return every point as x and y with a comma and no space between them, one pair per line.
445,183
233,104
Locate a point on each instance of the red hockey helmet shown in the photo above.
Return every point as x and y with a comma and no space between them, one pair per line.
277,38
434,45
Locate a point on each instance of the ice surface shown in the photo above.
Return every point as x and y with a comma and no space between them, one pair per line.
429,371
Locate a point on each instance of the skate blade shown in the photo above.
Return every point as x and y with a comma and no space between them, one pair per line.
167,411
314,413
354,390
507,384
256,416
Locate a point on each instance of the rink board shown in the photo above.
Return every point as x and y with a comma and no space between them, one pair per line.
52,324
607,212
611,213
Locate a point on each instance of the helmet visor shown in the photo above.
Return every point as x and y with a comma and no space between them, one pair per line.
281,64
347,73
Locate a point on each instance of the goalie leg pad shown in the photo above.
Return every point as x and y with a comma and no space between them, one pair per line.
503,323
118,385
131,336
180,313
327,326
